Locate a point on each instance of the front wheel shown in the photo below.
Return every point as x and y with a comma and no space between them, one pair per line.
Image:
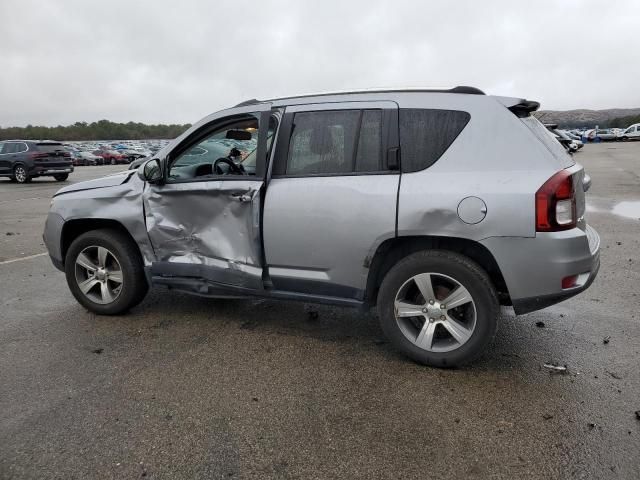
61,177
105,272
438,308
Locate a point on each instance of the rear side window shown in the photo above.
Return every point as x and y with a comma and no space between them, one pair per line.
322,142
10,147
335,142
425,134
369,154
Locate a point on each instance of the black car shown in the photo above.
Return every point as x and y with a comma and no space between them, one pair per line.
22,160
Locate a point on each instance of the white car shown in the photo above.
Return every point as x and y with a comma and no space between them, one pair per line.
630,133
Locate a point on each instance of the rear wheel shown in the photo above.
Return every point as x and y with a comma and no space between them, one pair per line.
20,174
105,272
438,308
61,177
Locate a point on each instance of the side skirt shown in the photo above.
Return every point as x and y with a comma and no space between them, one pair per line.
206,288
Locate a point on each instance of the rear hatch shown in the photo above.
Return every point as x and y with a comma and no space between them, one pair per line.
51,155
523,110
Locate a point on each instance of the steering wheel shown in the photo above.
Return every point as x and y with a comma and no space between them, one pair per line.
233,168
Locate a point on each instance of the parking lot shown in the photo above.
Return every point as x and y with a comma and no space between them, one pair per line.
187,387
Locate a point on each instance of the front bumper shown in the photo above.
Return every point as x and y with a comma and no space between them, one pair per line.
52,237
533,268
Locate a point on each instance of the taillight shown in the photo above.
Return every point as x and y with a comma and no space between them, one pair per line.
556,204
35,156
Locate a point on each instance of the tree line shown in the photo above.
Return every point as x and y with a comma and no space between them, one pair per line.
101,130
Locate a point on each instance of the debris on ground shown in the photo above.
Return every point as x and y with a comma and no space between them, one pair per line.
556,368
637,414
547,416
98,350
592,426
10,233
615,375
606,339
540,324
618,243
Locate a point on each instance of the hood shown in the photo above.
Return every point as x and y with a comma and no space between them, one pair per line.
108,181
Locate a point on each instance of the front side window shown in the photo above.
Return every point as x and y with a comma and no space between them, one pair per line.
426,134
223,151
335,142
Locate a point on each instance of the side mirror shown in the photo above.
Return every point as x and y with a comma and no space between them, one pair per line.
152,171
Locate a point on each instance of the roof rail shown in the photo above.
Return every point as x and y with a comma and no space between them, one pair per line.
459,89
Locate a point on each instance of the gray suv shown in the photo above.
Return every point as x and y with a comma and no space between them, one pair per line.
436,206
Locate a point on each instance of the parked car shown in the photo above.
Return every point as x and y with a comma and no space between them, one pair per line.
111,156
630,133
575,138
600,135
322,215
23,160
137,162
87,158
562,138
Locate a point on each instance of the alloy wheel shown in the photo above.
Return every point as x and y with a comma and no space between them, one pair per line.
99,274
20,174
435,312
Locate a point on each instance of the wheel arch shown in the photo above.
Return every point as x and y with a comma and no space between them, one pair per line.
394,249
73,228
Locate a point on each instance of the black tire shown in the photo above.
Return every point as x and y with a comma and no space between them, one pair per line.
467,273
20,174
134,285
61,177
624,139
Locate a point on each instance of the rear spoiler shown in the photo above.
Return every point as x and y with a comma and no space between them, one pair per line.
524,108
520,107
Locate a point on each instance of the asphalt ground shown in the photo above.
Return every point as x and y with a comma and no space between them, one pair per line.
187,387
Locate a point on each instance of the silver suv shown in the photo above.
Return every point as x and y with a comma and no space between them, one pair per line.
436,206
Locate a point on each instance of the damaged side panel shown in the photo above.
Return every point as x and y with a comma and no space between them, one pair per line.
206,229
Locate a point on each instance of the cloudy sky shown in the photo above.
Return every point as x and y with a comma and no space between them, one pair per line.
159,61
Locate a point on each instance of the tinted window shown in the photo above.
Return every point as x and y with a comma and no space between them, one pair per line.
335,142
21,147
10,147
322,142
426,134
50,147
369,153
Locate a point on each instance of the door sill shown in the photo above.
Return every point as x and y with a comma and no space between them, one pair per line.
205,288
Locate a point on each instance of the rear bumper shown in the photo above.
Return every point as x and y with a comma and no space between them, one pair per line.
48,170
533,268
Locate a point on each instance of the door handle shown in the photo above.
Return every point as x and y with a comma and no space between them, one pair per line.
241,197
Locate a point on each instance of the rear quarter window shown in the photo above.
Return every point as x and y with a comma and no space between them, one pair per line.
425,134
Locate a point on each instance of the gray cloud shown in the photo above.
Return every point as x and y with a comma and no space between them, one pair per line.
174,62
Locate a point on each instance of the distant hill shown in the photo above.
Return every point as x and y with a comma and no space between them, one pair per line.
587,118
